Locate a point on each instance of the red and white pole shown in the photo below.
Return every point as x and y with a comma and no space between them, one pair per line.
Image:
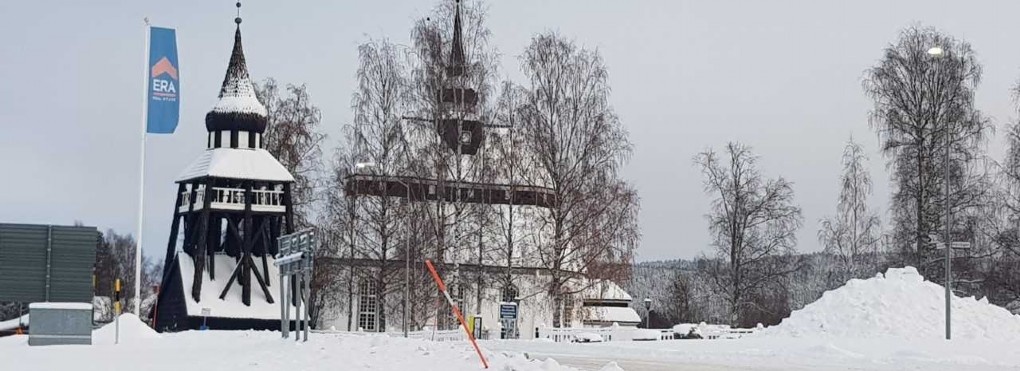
456,311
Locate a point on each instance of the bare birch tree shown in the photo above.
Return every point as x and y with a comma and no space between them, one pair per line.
921,103
579,147
378,139
293,137
753,222
852,236
456,230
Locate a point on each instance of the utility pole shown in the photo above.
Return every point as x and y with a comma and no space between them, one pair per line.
937,53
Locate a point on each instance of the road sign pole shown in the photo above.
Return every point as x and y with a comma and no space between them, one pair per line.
116,311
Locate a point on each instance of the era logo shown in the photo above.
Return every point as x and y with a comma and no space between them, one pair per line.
163,86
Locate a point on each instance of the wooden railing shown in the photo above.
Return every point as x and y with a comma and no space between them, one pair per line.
224,198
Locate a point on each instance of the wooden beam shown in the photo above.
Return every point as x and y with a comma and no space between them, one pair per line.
196,284
171,246
248,240
214,237
262,283
233,275
265,250
288,203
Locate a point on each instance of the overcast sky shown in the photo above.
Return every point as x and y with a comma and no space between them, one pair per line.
781,76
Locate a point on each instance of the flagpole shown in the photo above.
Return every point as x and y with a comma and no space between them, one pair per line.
141,173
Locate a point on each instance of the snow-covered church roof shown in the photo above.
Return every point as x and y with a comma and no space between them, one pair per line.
237,163
238,107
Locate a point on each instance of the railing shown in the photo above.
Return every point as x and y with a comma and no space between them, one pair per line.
441,335
224,198
630,333
561,335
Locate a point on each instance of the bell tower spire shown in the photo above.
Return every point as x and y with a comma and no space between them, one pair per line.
238,111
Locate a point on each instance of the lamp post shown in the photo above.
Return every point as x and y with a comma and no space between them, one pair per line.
648,312
937,53
407,250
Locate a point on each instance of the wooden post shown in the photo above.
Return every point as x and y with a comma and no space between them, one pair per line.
248,241
200,258
288,202
214,237
175,225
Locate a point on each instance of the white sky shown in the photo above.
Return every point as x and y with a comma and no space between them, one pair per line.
781,76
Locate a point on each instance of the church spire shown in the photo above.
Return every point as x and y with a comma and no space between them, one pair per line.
238,107
457,61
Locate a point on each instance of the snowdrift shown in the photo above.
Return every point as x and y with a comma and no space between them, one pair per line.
898,304
131,329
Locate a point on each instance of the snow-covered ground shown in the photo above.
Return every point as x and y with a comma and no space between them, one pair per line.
781,353
889,322
893,321
254,350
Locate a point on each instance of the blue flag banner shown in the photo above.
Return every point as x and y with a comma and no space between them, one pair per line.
164,93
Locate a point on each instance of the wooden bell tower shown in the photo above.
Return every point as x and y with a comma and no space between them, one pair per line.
232,203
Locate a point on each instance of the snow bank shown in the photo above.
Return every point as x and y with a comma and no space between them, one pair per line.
14,323
899,304
131,329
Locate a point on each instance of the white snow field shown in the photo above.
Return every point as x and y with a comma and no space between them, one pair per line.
889,322
141,348
893,321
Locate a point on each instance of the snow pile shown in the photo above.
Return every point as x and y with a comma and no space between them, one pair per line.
900,304
131,329
14,323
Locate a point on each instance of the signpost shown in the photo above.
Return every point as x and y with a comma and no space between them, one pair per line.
205,316
508,319
295,262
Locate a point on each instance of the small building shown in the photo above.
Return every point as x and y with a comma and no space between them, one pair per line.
606,303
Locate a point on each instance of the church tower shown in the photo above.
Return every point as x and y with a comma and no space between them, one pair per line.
232,203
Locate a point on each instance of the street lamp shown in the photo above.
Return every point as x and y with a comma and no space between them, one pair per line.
407,249
937,53
648,312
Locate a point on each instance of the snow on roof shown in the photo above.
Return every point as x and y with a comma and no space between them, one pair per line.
237,163
76,306
621,315
240,104
231,305
238,94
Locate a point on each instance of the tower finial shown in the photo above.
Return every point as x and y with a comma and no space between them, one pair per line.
238,19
